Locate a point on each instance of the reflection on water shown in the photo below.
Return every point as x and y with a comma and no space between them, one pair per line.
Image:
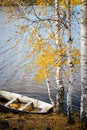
13,76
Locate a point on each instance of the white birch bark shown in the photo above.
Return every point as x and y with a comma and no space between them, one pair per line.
49,92
71,68
60,86
83,109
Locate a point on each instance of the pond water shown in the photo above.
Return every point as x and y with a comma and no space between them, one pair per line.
13,76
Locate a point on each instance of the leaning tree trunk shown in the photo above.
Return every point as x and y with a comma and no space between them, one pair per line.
49,93
83,110
60,86
71,68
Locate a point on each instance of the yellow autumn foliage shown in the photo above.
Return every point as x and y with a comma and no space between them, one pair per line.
23,28
76,61
45,59
76,56
72,2
76,2
41,74
37,46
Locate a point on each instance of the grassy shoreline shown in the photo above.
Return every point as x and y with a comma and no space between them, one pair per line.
39,122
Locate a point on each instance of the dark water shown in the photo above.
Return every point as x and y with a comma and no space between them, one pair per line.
13,76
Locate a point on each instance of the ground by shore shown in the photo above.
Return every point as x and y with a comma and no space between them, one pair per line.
49,121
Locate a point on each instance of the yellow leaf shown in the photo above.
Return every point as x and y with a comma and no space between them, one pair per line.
72,2
76,2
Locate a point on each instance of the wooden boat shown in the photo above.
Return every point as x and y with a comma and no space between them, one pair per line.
18,103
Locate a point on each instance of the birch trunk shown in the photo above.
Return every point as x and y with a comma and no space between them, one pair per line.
71,68
83,110
49,92
60,86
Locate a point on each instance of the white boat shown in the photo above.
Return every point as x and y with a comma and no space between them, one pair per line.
18,103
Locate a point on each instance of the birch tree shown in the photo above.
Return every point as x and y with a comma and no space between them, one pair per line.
70,64
83,110
46,58
59,81
69,4
60,91
45,62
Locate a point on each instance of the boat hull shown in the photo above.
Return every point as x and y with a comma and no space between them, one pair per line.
12,97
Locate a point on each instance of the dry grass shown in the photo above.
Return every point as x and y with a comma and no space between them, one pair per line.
39,122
